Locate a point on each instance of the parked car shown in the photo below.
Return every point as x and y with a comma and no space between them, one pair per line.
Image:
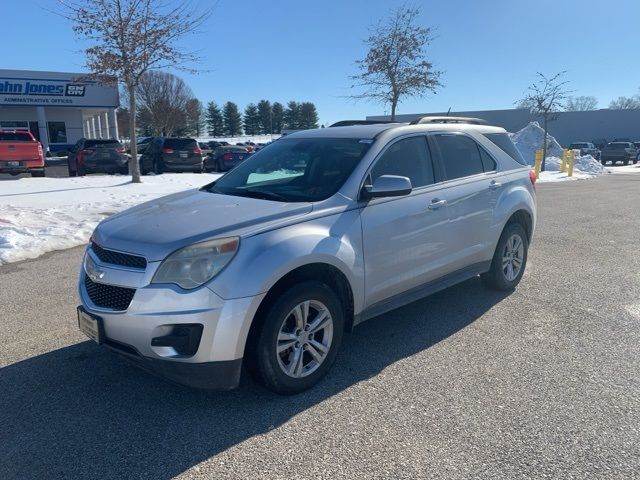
91,155
637,145
619,152
225,158
586,148
272,262
166,154
203,145
142,144
20,152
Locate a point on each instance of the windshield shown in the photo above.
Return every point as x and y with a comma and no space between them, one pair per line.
618,146
295,170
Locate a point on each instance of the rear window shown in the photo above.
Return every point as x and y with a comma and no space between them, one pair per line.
503,141
618,146
102,143
578,145
15,137
180,143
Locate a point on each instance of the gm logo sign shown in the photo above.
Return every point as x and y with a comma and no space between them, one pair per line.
74,90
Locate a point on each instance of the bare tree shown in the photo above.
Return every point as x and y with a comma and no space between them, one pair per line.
163,103
131,37
581,104
625,103
396,65
546,97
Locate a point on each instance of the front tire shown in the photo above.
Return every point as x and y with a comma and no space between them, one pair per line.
509,260
298,340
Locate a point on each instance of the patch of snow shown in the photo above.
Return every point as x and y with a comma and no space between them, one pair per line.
38,215
241,138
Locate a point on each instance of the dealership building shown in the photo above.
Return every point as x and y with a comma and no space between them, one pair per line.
58,108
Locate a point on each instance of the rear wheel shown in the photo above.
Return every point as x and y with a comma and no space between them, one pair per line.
298,340
509,259
80,170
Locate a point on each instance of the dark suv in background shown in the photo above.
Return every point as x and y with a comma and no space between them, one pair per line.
97,156
166,154
619,152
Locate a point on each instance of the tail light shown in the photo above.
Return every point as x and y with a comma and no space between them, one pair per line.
197,150
227,157
168,150
533,178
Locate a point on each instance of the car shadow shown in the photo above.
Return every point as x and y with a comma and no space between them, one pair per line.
82,412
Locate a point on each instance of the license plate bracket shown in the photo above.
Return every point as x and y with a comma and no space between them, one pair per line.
13,164
91,325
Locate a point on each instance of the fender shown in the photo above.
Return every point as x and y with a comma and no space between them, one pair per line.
264,259
517,197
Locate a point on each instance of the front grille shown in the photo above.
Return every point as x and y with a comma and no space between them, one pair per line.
108,296
117,258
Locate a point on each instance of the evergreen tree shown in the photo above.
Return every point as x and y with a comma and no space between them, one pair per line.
292,115
251,120
277,117
214,121
232,119
308,115
264,111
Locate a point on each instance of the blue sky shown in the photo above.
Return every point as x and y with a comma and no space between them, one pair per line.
489,51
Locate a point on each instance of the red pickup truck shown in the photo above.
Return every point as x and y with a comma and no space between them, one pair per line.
20,152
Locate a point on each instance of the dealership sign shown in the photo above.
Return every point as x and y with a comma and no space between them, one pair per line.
33,88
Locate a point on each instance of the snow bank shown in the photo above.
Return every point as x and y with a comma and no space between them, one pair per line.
241,138
38,215
530,139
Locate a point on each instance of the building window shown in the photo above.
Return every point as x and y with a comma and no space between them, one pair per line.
57,132
14,125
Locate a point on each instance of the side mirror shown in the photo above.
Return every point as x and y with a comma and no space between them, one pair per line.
388,186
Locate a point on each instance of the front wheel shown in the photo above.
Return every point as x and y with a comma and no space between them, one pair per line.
509,259
298,340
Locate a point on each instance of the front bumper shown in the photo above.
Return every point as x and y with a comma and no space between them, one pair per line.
157,310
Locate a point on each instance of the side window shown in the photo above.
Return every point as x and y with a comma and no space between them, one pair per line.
460,155
488,163
410,158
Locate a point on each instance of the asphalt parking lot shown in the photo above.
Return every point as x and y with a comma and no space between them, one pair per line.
540,383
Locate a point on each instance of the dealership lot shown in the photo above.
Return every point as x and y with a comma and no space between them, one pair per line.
541,382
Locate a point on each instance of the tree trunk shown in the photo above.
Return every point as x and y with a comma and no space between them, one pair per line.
394,103
134,165
544,145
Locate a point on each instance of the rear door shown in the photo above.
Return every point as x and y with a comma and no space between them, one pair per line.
404,238
473,187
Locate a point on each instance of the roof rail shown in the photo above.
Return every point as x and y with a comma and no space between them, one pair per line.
469,120
349,123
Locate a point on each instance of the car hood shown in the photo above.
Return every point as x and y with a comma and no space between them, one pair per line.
159,227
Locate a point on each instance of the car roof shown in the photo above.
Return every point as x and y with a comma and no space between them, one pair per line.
372,131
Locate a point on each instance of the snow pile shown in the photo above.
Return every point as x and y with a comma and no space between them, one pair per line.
529,139
241,138
38,215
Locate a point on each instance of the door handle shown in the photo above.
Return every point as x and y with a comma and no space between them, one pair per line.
494,185
436,204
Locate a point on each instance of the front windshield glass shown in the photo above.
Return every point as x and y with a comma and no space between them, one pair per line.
295,169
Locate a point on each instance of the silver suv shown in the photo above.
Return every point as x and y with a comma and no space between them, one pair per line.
313,234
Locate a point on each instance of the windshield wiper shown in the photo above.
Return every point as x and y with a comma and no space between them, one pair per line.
265,195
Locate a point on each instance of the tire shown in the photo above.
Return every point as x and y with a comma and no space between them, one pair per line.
38,173
269,367
497,278
80,171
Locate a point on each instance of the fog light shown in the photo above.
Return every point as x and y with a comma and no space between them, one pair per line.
184,339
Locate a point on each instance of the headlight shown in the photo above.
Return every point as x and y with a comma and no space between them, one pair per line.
196,264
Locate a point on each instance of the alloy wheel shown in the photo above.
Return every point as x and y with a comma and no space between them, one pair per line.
304,339
512,257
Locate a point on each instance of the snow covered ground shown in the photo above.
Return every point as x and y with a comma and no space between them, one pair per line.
38,215
242,138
